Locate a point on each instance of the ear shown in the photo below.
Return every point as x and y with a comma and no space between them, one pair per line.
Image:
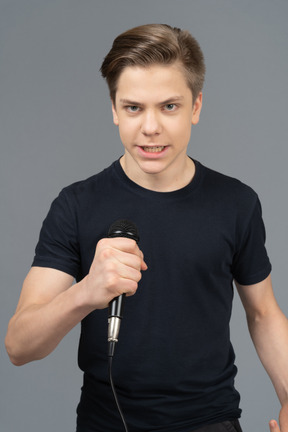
115,116
197,109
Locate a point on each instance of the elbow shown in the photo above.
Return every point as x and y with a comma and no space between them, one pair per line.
18,355
265,319
16,361
14,358
263,313
257,318
14,355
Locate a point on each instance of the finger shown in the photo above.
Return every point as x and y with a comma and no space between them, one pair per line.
273,425
130,260
144,266
129,272
129,246
122,243
127,252
118,272
118,243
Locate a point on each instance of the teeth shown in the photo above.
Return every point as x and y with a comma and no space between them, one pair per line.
154,149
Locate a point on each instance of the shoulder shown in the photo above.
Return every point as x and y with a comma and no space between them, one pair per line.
87,188
227,187
80,197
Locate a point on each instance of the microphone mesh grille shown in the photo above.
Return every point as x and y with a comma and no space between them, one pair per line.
124,228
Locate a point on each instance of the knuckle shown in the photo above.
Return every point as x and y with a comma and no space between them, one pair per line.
139,276
102,243
112,280
133,286
106,253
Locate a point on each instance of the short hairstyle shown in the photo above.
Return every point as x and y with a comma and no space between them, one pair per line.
153,44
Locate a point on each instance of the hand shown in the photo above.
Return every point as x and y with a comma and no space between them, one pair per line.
283,421
116,269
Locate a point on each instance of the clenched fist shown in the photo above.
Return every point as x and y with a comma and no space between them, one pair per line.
115,270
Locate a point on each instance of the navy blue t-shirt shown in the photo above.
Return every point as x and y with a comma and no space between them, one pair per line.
174,363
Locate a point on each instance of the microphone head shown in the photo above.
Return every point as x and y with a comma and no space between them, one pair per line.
124,228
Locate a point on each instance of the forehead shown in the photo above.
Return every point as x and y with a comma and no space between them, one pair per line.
155,81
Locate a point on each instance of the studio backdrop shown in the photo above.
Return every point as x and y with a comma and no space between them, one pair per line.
56,128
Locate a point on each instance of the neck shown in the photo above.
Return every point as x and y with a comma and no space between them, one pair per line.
161,182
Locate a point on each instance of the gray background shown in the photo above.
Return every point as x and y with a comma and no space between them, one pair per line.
56,128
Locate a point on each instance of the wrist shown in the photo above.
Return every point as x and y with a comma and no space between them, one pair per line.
82,301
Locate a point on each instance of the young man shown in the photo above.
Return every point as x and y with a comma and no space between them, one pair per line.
200,230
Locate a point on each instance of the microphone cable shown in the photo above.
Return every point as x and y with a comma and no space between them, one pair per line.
110,361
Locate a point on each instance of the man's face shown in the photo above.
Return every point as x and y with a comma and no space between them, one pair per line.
154,112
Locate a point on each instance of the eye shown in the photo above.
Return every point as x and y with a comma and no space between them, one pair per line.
170,107
132,108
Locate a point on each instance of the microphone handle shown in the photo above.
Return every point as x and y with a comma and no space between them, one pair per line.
120,228
116,306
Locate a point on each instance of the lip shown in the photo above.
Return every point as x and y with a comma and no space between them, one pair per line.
151,155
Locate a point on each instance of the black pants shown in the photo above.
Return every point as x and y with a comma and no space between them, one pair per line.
226,426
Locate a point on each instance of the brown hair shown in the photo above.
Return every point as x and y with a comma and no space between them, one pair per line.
155,44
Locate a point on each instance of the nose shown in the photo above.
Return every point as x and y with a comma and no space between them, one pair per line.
150,123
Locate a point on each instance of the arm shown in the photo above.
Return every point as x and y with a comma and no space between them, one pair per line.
50,305
268,328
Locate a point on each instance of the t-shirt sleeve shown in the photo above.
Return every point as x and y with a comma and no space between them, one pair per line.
251,264
58,246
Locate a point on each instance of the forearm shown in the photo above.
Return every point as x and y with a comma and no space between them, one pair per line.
35,332
49,307
269,332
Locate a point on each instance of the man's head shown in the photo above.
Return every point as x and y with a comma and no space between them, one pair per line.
155,44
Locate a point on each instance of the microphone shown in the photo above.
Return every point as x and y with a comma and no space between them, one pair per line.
120,228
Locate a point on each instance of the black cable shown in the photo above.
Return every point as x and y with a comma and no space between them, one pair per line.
110,358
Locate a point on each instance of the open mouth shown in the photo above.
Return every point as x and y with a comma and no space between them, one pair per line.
156,149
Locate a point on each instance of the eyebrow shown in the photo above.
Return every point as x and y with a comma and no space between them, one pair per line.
165,102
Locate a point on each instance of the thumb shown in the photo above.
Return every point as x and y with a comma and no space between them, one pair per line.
273,425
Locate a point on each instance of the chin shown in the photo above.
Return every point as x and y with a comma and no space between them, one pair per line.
152,168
